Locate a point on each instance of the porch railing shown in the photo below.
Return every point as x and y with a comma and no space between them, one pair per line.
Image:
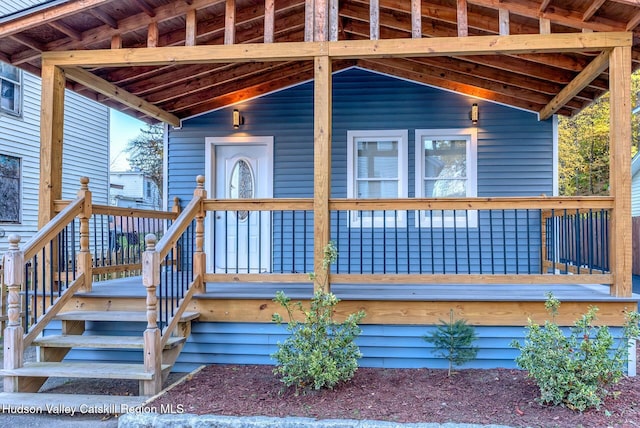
466,240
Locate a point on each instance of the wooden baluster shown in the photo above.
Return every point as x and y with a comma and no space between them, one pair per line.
13,333
199,257
152,352
84,259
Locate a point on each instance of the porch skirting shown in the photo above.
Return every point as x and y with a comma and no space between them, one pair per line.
383,346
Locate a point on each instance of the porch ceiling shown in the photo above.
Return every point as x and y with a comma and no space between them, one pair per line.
528,81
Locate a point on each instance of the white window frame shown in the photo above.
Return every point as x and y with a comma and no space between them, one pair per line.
17,95
402,136
20,181
471,135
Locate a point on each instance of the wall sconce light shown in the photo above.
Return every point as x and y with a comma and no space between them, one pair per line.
238,119
474,114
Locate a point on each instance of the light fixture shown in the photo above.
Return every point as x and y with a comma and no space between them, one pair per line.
238,119
474,114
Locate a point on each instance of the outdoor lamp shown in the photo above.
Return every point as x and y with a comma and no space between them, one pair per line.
474,114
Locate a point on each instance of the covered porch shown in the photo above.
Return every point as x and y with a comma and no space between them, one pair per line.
405,261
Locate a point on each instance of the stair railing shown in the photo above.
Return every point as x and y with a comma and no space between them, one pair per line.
172,272
41,278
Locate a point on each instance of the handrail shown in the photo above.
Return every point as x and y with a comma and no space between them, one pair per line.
53,310
59,205
53,228
258,204
133,212
178,227
541,202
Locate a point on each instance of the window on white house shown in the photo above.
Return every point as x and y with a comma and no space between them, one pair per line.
9,189
377,169
446,161
10,89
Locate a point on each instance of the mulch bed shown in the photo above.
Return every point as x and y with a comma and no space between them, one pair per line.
495,396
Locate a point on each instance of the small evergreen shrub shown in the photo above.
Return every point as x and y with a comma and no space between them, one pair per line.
574,370
319,353
453,341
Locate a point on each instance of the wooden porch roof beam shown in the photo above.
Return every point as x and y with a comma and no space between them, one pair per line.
356,49
92,81
582,80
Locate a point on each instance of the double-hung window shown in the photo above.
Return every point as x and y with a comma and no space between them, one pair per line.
10,89
446,168
9,189
377,169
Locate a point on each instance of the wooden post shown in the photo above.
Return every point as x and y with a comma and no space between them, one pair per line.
152,35
230,22
152,351
191,28
320,20
545,26
416,19
374,20
13,333
503,17
308,20
84,259
321,163
199,257
620,170
463,23
51,135
269,20
334,20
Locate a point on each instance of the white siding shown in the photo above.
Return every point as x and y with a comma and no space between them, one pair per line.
85,152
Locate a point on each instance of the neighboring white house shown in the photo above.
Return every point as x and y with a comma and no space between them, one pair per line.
86,145
133,189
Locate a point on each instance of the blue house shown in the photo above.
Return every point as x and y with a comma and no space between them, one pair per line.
424,150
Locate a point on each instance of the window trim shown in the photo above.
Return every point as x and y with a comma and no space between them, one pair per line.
402,135
17,99
471,134
20,181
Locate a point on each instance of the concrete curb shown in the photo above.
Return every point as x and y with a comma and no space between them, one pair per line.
187,420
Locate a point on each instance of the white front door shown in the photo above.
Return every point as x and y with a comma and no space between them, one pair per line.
242,169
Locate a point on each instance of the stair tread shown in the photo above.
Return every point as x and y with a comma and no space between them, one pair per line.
126,316
53,403
83,370
97,341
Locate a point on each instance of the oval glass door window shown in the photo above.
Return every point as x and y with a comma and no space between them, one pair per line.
241,184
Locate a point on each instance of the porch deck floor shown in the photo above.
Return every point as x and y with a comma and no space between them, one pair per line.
132,287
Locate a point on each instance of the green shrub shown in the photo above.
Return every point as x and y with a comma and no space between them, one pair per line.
320,352
575,370
453,341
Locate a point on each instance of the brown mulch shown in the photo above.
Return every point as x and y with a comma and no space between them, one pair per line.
495,396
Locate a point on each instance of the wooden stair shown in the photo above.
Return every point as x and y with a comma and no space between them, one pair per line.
53,349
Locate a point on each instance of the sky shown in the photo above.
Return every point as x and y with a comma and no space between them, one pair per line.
123,128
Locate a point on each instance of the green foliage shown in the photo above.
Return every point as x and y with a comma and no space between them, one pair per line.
453,341
578,369
583,142
319,353
145,154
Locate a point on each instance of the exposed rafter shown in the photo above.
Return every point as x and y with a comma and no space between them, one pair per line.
85,78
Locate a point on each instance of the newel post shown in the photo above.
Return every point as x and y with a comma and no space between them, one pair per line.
199,257
13,333
84,259
152,353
